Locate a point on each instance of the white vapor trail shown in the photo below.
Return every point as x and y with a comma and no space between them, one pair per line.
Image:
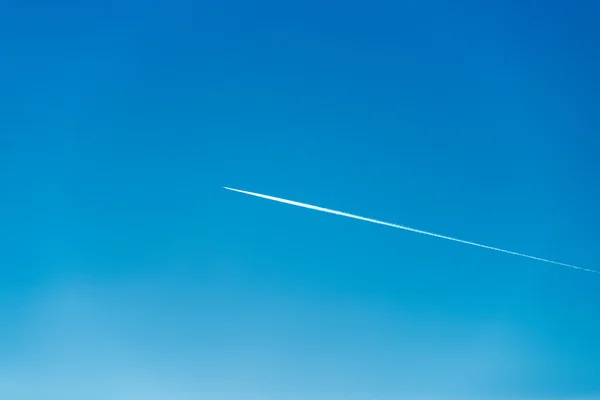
406,228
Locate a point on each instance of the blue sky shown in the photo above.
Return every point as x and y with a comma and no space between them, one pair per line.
127,272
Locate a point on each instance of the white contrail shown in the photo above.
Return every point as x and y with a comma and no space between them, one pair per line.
406,228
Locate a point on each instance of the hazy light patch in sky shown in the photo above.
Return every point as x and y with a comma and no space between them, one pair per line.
75,345
343,214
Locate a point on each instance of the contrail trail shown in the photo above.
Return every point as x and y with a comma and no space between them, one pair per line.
406,228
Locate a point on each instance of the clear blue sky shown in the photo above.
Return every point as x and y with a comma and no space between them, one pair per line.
126,272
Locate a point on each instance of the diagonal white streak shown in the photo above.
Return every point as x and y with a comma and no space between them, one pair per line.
406,228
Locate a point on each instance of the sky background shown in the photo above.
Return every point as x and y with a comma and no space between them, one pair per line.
127,272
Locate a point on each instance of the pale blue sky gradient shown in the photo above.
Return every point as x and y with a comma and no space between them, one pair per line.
126,271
